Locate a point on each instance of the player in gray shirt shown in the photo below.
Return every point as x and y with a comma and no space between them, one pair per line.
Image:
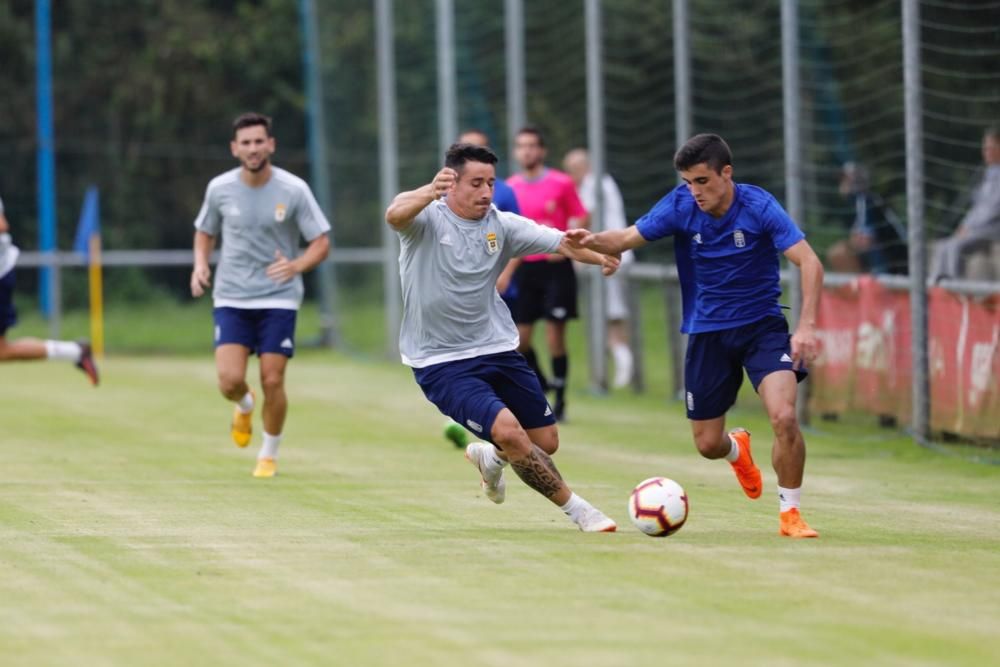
25,349
261,211
458,335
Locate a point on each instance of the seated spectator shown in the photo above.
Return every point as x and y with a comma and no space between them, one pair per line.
980,227
877,241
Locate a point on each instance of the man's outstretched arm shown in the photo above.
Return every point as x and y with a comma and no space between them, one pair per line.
406,205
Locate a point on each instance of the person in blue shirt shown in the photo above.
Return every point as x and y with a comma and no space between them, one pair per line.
503,195
727,237
505,200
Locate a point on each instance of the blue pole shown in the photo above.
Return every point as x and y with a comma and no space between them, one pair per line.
46,151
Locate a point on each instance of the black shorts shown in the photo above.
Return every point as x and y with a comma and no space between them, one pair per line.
8,315
545,290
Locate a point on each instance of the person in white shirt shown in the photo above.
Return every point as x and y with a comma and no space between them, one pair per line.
29,349
576,163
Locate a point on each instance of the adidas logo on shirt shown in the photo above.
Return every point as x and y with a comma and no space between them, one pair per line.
287,344
446,240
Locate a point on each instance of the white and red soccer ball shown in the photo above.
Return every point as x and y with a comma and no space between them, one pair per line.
658,506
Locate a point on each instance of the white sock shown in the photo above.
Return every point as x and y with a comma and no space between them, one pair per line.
269,450
623,364
789,498
494,458
734,450
63,350
575,507
245,404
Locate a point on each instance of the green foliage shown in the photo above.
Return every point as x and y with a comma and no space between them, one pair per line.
145,92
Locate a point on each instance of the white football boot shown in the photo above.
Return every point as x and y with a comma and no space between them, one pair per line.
493,483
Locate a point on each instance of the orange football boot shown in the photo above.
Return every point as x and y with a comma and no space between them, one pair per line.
241,428
746,471
793,525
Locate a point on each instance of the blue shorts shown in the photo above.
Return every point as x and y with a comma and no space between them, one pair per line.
8,315
713,366
262,330
474,391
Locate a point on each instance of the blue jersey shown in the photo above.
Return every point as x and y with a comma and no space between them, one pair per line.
504,197
728,266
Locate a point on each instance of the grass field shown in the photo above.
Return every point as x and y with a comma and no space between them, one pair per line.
131,532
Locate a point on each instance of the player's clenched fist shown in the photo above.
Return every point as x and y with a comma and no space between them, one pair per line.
443,182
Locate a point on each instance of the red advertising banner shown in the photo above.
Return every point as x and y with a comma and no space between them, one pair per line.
831,375
882,353
865,362
964,363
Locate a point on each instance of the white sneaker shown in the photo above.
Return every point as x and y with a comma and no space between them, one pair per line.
594,520
493,483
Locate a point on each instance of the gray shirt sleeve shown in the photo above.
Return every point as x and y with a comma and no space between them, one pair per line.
527,237
309,216
415,230
209,219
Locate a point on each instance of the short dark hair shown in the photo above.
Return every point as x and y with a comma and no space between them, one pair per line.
531,129
249,119
708,149
459,154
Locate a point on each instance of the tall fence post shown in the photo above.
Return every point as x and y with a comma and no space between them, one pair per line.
319,173
683,129
793,159
912,109
447,95
514,43
388,146
595,139
48,284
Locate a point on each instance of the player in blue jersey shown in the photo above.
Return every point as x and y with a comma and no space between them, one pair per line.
727,239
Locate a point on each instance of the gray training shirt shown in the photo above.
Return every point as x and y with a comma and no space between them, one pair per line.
449,268
255,223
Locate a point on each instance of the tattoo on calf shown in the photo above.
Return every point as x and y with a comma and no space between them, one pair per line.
539,472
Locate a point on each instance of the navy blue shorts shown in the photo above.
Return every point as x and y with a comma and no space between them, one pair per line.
713,367
8,315
474,391
262,330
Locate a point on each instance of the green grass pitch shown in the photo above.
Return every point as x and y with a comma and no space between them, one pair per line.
131,532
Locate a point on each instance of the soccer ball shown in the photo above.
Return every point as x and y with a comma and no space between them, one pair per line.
658,506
